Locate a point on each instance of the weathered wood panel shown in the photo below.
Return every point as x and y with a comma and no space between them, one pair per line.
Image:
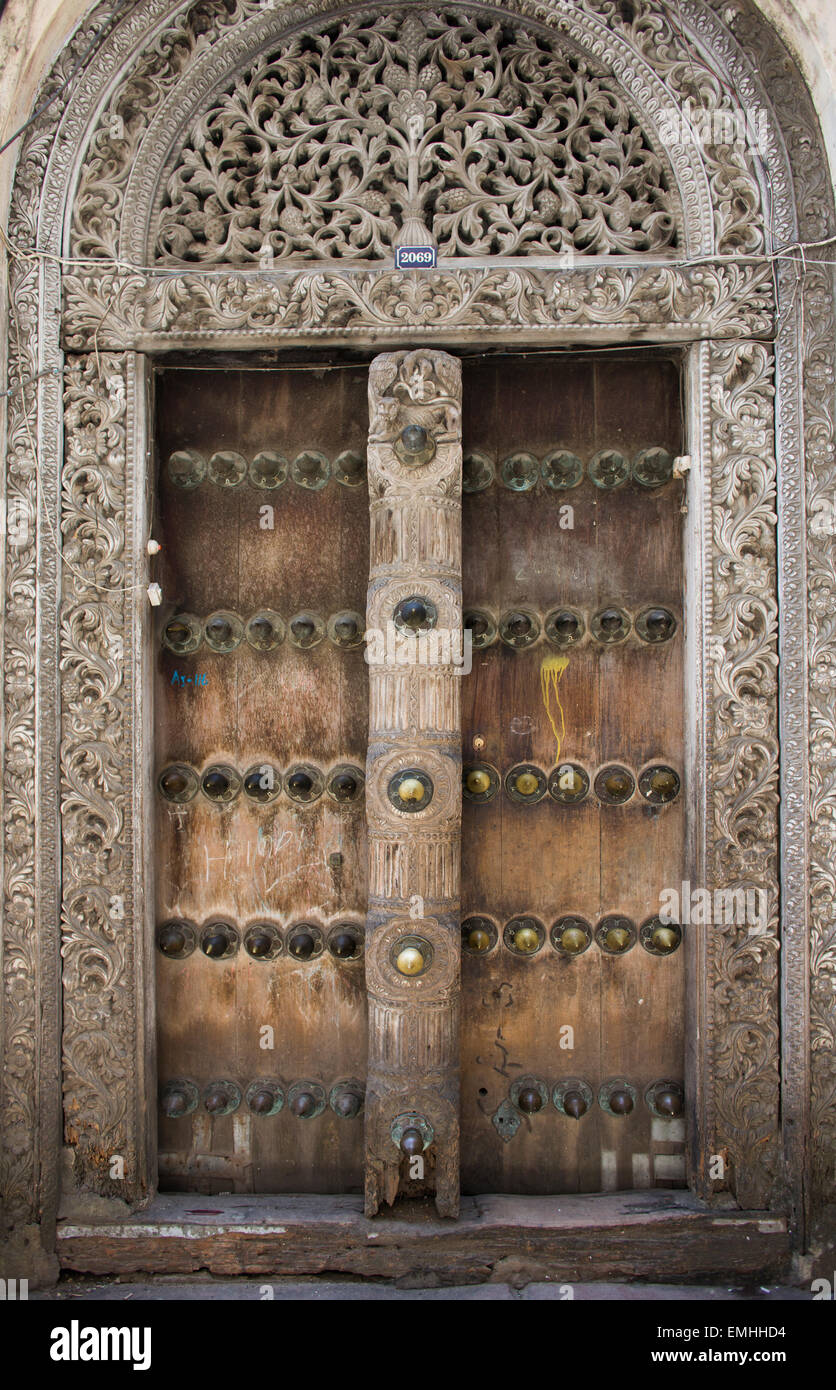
656,1236
591,1016
278,862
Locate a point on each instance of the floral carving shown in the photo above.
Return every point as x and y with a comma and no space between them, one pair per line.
384,128
705,301
744,764
96,940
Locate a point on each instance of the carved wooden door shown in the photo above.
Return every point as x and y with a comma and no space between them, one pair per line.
344,844
261,719
573,817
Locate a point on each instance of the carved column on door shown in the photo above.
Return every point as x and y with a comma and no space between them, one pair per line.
413,784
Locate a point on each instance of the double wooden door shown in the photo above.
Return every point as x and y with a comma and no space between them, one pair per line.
418,943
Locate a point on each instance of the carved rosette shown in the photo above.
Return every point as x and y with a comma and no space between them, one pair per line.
413,786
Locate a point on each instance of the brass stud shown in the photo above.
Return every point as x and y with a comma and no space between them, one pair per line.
530,1100
665,939
409,961
412,1141
574,940
574,1104
414,445
621,1102
303,1104
525,938
175,1104
669,1101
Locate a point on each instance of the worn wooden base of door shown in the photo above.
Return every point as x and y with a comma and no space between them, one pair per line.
657,1236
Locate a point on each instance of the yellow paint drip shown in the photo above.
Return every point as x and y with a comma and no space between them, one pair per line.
550,672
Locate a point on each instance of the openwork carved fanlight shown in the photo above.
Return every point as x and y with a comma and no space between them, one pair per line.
390,129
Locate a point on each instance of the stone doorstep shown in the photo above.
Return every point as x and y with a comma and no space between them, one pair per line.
663,1237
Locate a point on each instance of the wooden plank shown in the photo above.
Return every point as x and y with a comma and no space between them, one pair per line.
271,862
664,1237
620,704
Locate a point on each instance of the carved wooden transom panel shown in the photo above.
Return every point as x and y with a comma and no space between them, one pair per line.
380,128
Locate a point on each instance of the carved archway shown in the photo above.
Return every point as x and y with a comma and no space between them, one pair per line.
672,248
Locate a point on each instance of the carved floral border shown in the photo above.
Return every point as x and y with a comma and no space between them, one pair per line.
106,314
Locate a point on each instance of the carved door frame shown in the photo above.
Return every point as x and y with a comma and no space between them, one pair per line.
78,747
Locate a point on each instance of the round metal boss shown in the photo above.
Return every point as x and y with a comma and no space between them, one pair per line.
183,634
609,469
615,934
345,783
529,1094
653,467
655,625
346,629
481,627
178,1098
617,1097
306,630
414,446
220,783
571,936
219,940
264,1097
268,470
665,1099
346,1098
306,1100
659,784
519,628
303,782
411,955
568,783
263,941
477,472
573,1097
410,1120
480,782
415,615
526,783
520,472
410,790
262,783
265,630
349,469
176,939
345,940
614,784
562,470
310,469
479,935
178,783
564,627
660,938
524,935
223,631
227,468
186,468
610,625
221,1097
304,941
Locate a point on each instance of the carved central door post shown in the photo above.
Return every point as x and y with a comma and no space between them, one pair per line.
414,623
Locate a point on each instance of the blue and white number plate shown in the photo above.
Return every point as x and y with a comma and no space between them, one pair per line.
415,257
